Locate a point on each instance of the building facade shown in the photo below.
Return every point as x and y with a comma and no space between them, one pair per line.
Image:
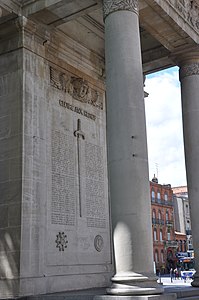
164,241
182,214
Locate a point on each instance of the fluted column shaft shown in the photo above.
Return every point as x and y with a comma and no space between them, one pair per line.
189,77
127,150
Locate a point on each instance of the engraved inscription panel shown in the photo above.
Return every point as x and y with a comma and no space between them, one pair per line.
95,197
63,180
77,172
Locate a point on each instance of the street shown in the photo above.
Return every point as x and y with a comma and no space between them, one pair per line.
166,280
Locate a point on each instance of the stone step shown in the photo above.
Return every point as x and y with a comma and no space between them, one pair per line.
184,292
73,295
190,298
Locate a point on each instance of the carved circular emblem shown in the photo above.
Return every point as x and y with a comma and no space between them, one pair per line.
98,243
61,241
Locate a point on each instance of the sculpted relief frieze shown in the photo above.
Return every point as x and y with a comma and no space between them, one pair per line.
188,9
110,6
76,87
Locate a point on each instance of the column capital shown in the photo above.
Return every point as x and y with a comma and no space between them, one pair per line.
188,63
110,6
189,69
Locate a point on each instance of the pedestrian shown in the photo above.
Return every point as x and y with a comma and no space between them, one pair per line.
178,273
171,274
175,273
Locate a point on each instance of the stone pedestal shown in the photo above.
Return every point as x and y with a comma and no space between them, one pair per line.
189,77
127,153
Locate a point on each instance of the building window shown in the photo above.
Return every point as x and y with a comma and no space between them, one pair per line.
161,235
155,234
181,250
162,256
159,215
185,246
167,216
156,256
187,209
159,197
166,197
168,235
152,196
188,224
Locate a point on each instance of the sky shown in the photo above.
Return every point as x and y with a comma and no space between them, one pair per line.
164,128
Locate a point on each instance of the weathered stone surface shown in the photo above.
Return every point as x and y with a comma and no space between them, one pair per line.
54,225
10,166
54,212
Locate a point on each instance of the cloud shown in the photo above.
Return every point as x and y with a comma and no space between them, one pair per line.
164,127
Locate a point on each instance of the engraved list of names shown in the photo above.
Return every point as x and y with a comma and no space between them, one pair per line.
63,205
95,187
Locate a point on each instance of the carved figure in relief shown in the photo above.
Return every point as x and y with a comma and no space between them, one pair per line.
80,89
65,82
59,80
77,87
193,13
94,99
189,9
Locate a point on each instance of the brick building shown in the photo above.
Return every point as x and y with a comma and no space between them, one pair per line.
182,215
164,242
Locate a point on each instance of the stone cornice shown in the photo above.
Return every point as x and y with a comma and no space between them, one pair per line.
110,6
189,10
52,45
189,70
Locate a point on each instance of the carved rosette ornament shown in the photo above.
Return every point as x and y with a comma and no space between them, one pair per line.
189,70
110,6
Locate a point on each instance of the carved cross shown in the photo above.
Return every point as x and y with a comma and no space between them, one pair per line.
79,135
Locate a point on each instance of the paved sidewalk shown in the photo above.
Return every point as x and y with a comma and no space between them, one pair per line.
166,281
180,287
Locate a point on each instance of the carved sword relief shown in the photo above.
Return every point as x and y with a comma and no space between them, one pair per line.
79,134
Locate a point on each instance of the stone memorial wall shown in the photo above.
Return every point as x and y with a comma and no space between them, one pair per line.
65,207
78,210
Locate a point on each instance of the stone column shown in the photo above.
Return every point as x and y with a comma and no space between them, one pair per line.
127,152
189,77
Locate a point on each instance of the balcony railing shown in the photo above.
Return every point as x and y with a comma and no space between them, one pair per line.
161,202
169,222
172,244
157,221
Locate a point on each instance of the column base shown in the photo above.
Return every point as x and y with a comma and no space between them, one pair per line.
134,284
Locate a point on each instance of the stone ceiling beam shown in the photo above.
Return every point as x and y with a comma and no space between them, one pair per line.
174,24
10,7
156,59
33,7
57,12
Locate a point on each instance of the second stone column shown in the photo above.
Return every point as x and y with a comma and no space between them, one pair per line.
189,77
127,152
